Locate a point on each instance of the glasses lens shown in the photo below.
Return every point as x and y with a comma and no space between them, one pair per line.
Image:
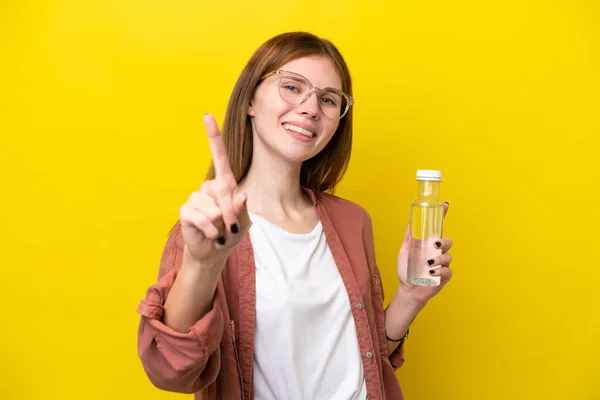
294,88
333,103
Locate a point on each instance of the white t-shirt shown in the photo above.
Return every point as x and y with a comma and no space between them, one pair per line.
305,344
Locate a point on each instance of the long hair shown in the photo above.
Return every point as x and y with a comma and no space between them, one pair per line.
322,172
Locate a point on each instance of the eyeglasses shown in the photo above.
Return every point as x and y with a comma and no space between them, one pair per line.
296,89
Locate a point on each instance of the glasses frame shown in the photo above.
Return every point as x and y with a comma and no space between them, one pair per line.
312,89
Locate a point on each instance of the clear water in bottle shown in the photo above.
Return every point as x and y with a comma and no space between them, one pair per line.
426,227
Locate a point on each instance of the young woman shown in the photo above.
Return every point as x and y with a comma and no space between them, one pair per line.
268,285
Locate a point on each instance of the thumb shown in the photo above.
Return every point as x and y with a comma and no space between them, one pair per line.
239,206
446,207
406,241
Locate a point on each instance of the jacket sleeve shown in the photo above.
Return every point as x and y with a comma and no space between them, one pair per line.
174,361
396,358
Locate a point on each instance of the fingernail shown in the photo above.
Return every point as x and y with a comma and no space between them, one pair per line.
221,240
447,202
431,271
234,228
438,244
430,262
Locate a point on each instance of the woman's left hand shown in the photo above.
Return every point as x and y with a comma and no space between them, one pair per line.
440,267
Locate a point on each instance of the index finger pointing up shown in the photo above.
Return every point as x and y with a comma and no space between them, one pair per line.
217,148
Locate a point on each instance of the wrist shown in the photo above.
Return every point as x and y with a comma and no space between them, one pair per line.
210,263
408,299
205,269
400,313
398,341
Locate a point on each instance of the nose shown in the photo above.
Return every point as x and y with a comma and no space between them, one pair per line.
310,106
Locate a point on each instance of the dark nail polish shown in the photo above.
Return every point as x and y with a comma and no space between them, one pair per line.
234,228
447,202
221,240
438,244
431,271
430,262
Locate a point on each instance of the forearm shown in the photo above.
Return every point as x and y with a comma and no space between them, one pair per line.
399,314
192,294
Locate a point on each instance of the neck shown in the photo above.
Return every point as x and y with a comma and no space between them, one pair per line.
273,185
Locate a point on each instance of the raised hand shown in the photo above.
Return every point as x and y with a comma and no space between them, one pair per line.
215,218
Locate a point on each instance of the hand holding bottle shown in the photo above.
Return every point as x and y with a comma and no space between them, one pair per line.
423,259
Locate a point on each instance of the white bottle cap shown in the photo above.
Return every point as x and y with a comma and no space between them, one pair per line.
429,175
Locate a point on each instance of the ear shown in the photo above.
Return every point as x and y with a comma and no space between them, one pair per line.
250,111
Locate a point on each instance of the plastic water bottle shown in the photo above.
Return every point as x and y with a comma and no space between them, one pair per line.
426,226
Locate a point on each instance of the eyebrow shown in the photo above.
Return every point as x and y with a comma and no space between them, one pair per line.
298,79
294,78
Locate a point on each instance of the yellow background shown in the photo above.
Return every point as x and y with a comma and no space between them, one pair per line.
102,141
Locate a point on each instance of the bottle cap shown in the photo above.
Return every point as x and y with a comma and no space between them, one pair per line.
429,175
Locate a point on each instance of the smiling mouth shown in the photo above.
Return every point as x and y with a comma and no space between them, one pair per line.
301,131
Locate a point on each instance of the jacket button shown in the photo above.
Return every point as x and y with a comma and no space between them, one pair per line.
359,306
369,355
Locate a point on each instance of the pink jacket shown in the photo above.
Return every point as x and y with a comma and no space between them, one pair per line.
214,358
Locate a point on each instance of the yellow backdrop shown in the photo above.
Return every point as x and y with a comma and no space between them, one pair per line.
102,141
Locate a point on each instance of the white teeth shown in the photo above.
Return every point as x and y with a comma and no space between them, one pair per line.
299,130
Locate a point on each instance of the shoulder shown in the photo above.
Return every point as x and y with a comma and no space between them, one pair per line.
343,210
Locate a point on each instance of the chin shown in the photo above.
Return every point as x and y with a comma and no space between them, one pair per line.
297,157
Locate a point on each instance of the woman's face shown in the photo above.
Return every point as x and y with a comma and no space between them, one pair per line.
295,133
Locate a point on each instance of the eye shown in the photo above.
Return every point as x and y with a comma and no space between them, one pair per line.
328,101
290,88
